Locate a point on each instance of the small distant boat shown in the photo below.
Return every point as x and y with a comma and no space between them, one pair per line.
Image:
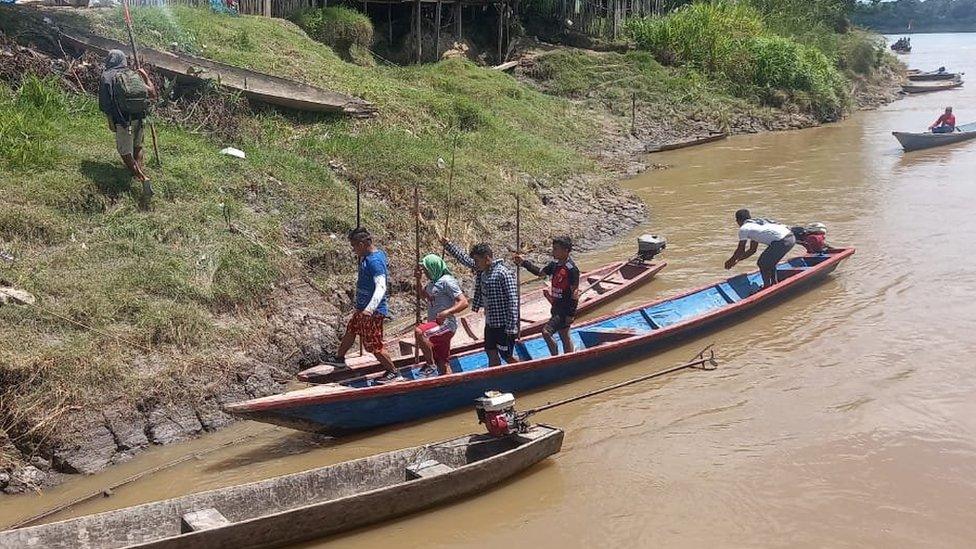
931,87
304,506
917,141
688,143
599,287
929,76
362,403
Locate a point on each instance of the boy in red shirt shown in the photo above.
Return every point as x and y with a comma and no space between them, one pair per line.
945,124
564,278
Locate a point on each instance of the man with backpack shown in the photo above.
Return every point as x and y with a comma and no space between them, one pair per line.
124,96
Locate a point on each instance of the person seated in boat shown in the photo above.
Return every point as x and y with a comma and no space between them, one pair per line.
371,308
945,124
496,291
564,278
445,299
777,238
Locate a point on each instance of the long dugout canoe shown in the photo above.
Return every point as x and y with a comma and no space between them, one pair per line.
308,505
255,85
599,287
929,87
918,141
361,404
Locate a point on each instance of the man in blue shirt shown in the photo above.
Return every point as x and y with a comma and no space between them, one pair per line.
371,309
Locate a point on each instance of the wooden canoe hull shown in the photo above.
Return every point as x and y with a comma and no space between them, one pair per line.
308,505
685,144
340,409
933,87
918,141
258,86
535,313
933,76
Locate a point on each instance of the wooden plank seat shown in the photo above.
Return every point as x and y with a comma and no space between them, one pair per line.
594,337
427,469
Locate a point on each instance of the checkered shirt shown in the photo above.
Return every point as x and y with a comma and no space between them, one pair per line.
495,290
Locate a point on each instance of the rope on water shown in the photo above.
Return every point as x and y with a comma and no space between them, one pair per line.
701,361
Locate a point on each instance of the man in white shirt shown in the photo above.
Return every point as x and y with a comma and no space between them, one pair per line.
778,239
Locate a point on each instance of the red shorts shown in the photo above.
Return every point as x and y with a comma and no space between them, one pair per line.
369,328
440,340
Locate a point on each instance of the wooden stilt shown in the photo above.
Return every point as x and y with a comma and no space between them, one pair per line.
417,32
389,24
501,30
458,15
437,29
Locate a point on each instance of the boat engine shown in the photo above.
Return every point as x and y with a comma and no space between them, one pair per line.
497,411
649,245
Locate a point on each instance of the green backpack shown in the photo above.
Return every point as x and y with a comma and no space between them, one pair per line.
130,93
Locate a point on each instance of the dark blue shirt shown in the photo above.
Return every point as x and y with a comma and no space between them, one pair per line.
370,266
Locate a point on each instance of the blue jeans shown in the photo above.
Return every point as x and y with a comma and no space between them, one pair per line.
944,129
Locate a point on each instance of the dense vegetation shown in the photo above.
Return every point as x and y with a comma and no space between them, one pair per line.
797,49
345,30
915,15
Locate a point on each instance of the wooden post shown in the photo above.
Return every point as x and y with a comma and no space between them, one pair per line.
501,29
458,14
437,29
615,15
633,114
389,23
267,8
416,30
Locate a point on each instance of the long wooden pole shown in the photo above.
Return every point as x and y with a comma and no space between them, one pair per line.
416,222
518,268
135,59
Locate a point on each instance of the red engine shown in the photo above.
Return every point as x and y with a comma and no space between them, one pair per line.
497,411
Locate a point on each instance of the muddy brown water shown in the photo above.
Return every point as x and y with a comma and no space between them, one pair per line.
843,417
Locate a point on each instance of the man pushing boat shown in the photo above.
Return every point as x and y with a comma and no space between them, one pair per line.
371,308
564,297
778,238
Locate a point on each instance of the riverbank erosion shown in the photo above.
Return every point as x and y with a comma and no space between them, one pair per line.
147,321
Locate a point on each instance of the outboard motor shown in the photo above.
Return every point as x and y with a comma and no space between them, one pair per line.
497,411
649,245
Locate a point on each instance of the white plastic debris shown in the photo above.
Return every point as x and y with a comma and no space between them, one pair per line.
231,151
440,163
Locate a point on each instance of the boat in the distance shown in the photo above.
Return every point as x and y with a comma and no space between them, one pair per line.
928,76
598,287
926,140
928,87
363,403
303,506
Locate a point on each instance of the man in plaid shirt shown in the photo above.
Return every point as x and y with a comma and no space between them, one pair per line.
495,290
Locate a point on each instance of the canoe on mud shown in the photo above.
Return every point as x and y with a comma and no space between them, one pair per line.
303,506
929,76
688,143
258,86
931,86
361,404
917,141
599,287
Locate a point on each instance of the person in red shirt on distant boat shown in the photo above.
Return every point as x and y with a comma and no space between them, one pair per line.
945,124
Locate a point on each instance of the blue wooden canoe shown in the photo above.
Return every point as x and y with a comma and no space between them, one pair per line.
361,404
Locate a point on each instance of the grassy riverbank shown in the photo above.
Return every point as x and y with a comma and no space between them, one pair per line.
152,319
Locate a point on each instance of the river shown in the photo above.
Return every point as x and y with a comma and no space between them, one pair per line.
843,417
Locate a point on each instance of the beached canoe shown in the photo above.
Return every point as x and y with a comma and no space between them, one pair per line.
360,404
931,86
303,506
917,141
711,138
929,76
599,287
258,86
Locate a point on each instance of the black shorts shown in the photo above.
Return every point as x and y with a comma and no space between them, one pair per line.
497,340
774,253
558,322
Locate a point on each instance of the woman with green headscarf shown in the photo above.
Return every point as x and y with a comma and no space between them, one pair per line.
445,299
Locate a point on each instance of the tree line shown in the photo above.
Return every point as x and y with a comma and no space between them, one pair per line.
917,15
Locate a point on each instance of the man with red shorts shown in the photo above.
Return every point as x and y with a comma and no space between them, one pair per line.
371,308
445,298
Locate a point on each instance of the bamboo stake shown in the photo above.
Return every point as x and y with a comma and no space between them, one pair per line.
518,268
416,220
